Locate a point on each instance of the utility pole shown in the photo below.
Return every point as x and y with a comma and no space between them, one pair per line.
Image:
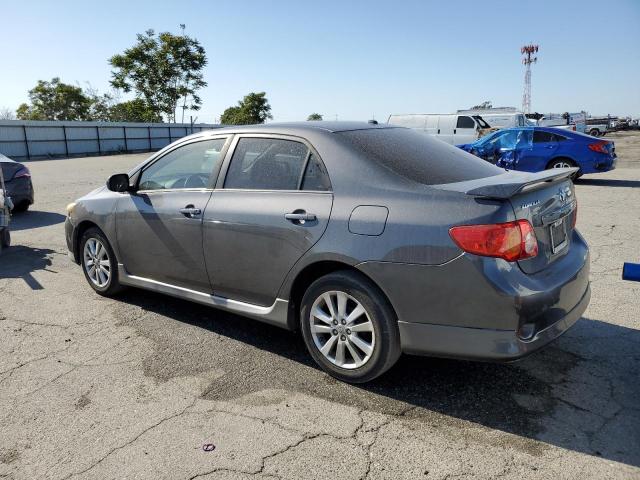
184,103
527,52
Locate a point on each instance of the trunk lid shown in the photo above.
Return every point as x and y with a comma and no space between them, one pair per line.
551,210
546,199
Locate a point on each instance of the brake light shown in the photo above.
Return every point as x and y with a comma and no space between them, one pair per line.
511,241
23,172
600,147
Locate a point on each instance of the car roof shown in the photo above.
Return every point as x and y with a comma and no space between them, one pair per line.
310,126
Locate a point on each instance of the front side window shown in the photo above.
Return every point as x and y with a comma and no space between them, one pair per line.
266,164
188,166
465,122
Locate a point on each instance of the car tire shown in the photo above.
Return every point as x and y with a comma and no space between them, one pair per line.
21,207
594,132
5,238
95,249
358,355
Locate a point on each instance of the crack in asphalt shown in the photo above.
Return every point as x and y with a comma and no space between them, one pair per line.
126,444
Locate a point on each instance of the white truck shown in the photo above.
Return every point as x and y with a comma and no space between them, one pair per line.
452,128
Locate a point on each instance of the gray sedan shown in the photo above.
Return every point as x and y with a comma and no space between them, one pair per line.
372,240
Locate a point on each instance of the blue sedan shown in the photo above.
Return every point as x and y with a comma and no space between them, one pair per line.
532,149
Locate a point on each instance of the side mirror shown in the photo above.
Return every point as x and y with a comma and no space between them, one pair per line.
118,182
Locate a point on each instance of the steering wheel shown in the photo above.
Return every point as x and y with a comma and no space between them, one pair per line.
198,180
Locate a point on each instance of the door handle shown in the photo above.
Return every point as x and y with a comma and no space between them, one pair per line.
300,217
190,211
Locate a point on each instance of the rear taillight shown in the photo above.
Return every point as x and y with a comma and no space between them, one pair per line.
600,147
23,172
511,241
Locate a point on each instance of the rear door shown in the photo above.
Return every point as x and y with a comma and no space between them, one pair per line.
446,126
272,205
542,150
465,130
431,127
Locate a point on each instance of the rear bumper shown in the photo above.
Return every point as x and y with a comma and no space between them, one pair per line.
20,190
599,163
481,343
473,307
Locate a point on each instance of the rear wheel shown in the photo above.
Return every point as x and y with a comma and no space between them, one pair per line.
99,263
564,163
594,132
21,207
349,327
5,238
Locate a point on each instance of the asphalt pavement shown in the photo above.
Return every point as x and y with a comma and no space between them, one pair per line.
147,386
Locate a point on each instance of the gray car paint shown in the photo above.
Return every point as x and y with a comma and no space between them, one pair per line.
413,260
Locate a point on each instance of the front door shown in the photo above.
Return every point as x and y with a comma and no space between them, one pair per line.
274,206
159,227
465,130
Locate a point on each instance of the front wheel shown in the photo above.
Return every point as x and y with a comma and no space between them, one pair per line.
349,327
99,263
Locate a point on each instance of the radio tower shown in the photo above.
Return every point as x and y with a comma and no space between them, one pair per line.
527,59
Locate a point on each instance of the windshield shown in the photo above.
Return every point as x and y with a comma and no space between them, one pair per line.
481,122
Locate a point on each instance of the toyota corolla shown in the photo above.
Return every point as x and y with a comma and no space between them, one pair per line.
371,240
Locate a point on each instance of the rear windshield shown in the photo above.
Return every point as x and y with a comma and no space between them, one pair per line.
418,157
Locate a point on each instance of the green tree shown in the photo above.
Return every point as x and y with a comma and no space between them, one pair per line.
135,110
252,109
162,70
314,116
55,100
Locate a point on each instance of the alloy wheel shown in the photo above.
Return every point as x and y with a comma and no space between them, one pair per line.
342,330
561,165
97,263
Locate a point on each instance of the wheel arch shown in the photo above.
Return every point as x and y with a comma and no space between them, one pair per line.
82,227
309,274
563,156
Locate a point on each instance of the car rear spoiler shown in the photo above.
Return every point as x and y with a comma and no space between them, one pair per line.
510,183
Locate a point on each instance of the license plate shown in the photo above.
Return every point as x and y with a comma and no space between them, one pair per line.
558,235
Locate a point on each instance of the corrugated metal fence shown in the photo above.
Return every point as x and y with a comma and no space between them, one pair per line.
26,140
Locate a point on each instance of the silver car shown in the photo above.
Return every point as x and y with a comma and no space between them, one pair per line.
372,240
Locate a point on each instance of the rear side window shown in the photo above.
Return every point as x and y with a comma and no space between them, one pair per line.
544,137
316,176
417,156
465,122
266,164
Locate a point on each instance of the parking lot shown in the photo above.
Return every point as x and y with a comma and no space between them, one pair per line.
135,387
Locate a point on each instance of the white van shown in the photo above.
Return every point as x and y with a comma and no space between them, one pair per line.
500,117
451,128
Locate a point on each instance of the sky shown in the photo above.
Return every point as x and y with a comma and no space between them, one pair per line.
350,60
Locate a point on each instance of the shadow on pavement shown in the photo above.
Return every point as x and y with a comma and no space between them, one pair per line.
523,398
34,219
603,182
21,262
